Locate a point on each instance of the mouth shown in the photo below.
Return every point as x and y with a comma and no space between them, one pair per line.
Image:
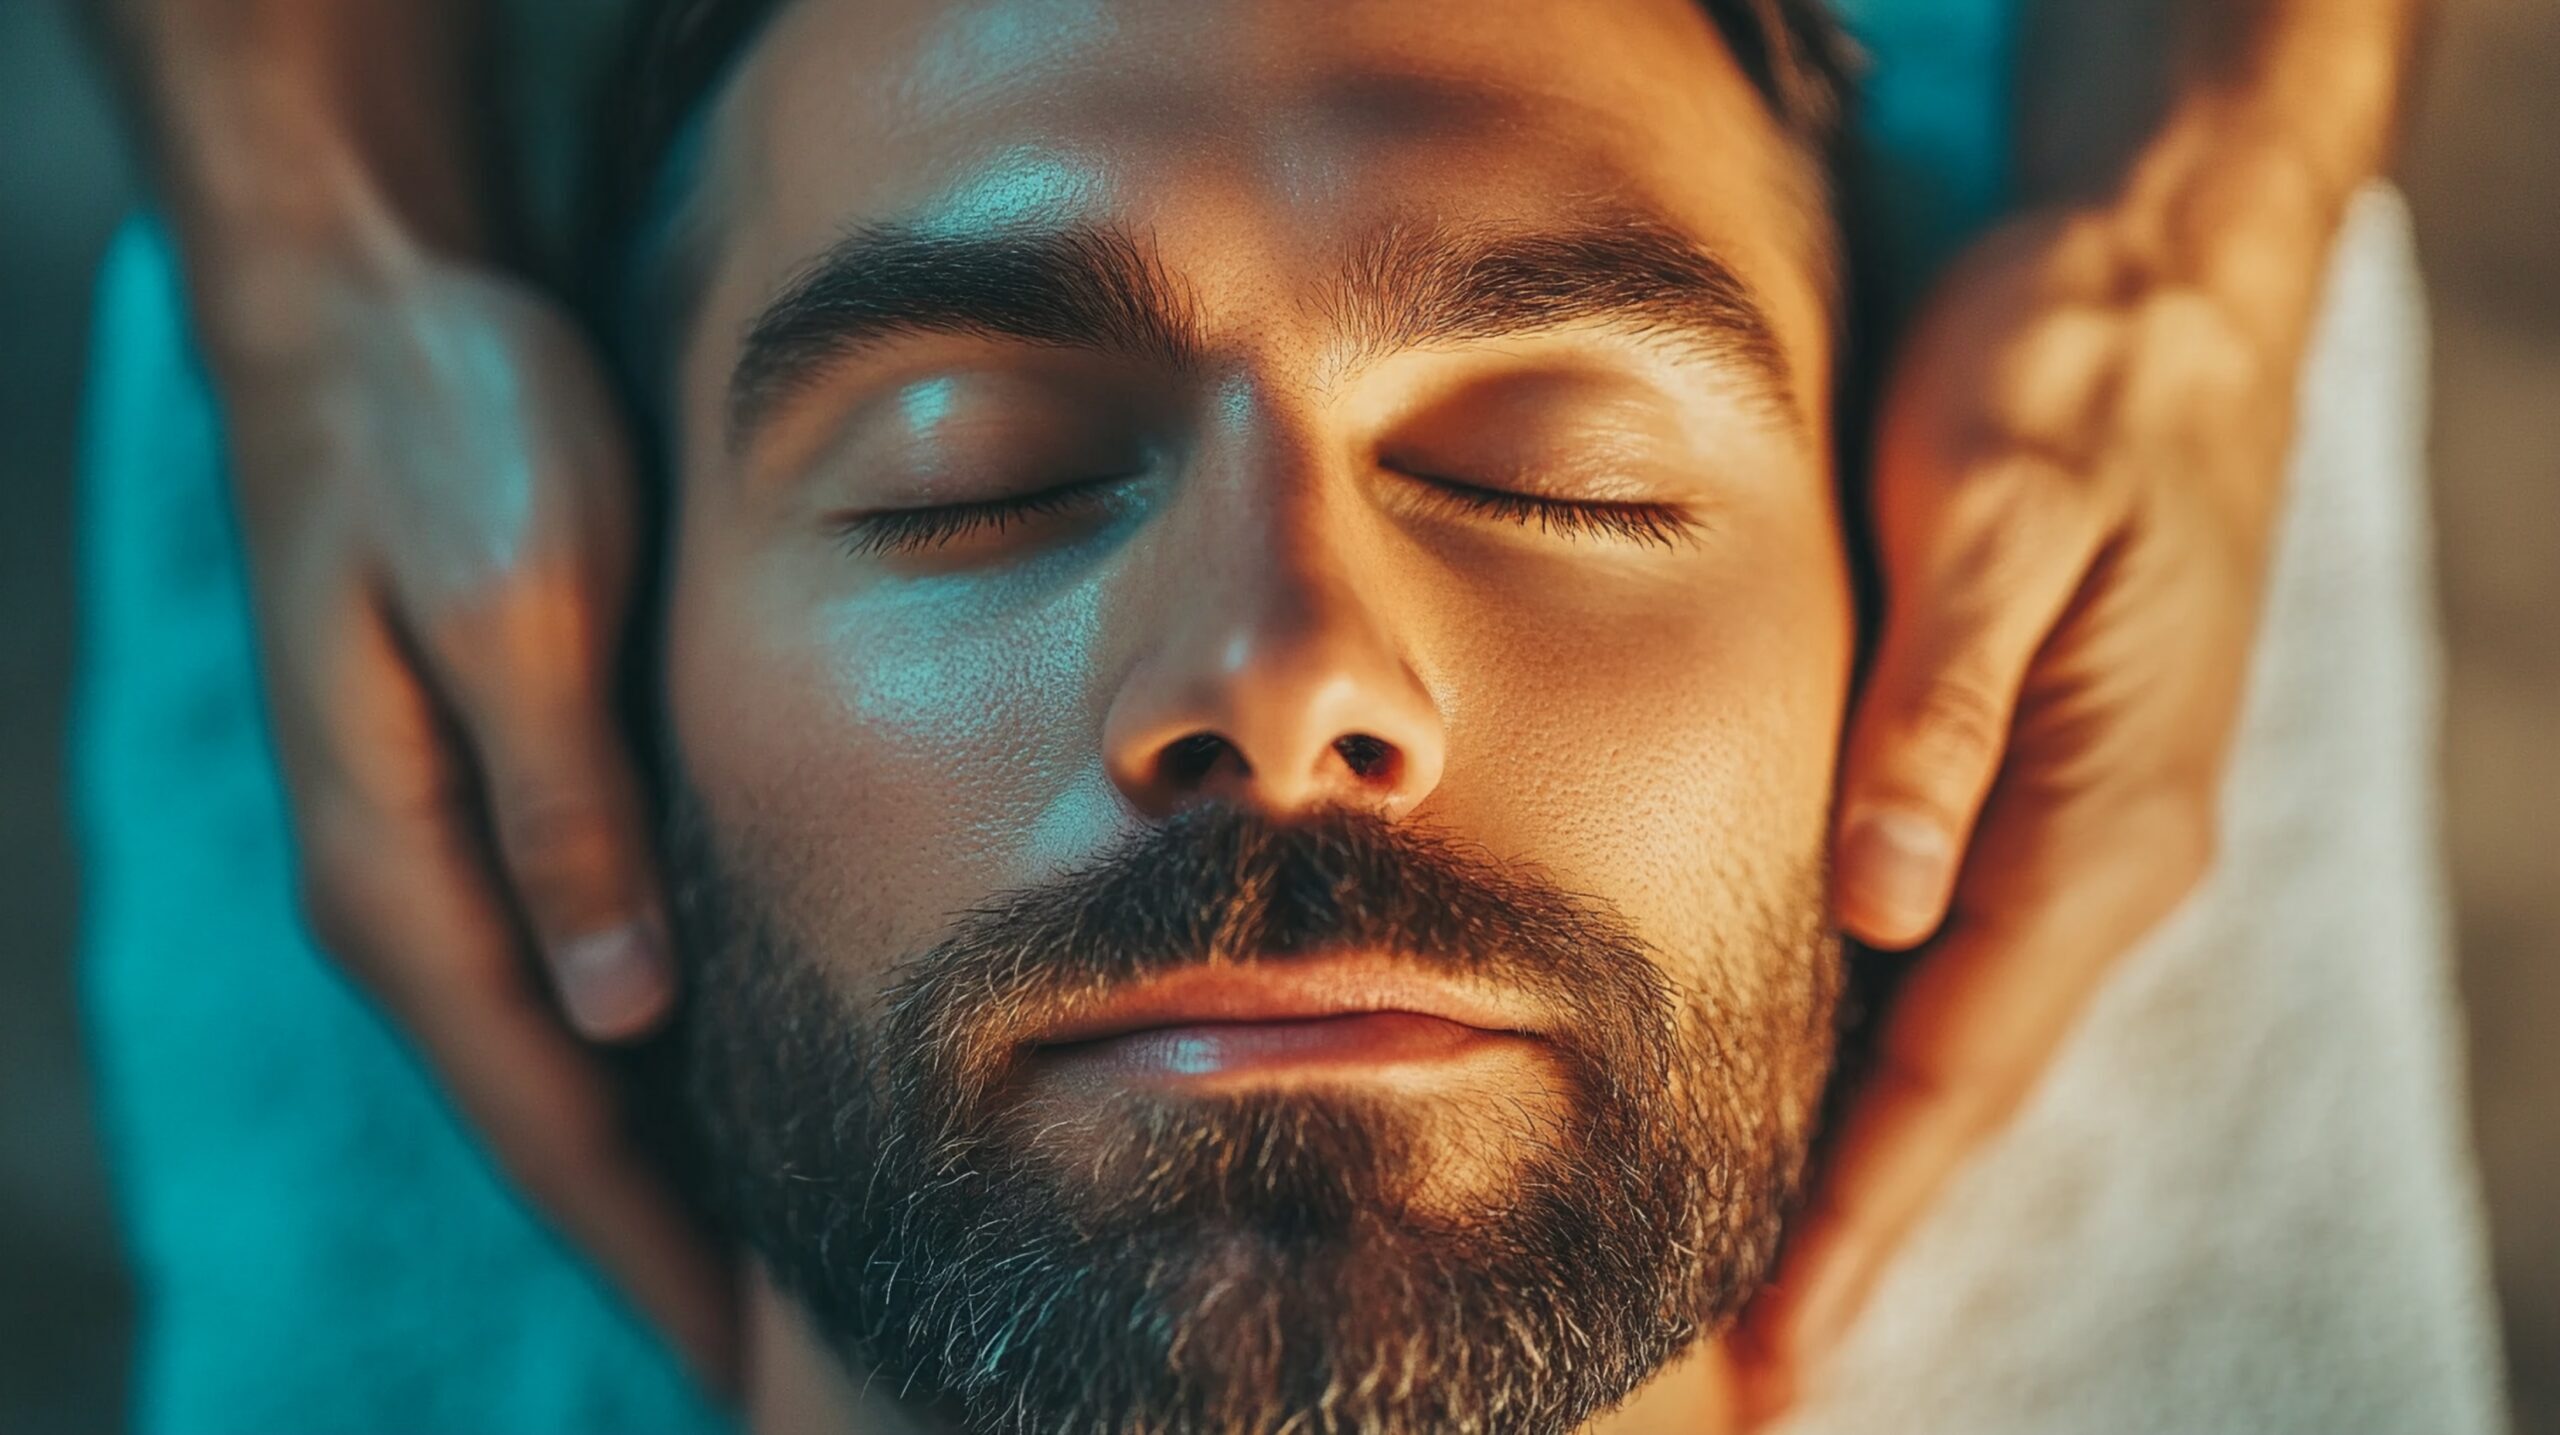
1339,1018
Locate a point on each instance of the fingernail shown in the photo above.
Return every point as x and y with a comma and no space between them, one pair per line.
614,982
1899,862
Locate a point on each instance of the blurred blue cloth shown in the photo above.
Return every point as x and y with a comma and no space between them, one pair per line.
318,1243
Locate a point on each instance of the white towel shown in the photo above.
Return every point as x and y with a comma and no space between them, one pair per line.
2244,1199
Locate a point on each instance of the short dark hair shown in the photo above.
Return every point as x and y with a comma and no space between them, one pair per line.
675,51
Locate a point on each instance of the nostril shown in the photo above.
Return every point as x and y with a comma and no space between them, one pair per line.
1370,759
1187,762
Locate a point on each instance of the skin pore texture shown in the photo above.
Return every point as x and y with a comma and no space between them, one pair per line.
1256,635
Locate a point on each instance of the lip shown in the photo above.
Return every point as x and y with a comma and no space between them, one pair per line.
1292,990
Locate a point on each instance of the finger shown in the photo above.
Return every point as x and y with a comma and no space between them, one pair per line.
440,954
1970,1032
529,679
1975,583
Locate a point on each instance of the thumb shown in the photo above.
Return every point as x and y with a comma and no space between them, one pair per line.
1974,583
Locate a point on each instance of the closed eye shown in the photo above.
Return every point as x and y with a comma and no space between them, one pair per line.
919,530
1659,525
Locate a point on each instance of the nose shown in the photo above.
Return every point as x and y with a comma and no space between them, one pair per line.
1276,685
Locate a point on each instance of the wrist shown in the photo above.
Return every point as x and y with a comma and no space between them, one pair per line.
2229,200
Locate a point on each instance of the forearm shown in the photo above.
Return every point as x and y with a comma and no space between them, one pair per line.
288,134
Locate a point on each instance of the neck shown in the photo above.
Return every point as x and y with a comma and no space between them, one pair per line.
796,1387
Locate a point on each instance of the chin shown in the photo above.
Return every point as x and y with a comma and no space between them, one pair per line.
1234,1262
1302,1150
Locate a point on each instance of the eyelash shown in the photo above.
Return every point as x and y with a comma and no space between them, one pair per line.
1656,525
917,530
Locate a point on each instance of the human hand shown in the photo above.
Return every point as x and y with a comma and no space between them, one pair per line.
2077,474
441,526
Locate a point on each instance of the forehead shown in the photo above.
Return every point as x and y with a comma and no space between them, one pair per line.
1247,135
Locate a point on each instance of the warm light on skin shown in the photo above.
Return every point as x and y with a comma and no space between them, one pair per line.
890,737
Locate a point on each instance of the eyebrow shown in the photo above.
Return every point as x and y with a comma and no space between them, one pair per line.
1412,286
1100,288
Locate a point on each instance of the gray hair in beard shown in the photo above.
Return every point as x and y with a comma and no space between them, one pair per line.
1251,1263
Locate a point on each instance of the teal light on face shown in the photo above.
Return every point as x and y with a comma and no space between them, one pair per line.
1021,186
924,406
960,672
1192,1056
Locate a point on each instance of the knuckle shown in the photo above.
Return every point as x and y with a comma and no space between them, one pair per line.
547,826
560,852
469,615
1956,726
534,624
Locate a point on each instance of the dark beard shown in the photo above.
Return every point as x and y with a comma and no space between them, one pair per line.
1246,1263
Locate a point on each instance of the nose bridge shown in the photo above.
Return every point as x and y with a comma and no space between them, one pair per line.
1276,675
1278,580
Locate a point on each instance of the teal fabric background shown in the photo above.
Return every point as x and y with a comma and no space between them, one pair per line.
319,1245
1931,159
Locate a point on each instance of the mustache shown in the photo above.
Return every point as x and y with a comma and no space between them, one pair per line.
1228,884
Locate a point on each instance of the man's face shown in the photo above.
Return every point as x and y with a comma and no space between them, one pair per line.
1256,634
